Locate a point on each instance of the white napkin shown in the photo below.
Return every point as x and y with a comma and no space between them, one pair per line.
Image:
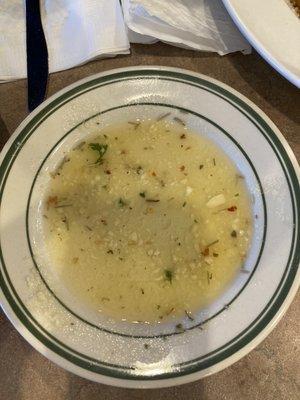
76,31
196,24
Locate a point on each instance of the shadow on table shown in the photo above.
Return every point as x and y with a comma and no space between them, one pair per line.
269,84
4,134
161,49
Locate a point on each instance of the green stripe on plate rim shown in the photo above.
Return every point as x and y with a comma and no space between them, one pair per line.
172,107
286,282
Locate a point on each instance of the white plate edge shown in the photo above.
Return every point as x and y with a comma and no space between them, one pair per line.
279,67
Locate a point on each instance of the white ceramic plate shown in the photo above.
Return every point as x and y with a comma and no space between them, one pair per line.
273,28
98,348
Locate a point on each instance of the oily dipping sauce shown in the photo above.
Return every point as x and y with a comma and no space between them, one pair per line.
146,221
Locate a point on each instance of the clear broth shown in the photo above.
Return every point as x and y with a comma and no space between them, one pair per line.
147,221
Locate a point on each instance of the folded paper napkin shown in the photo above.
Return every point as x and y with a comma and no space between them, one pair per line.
80,30
76,31
196,24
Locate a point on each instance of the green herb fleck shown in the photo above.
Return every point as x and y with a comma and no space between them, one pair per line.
209,276
201,166
101,149
188,314
146,346
121,202
135,124
170,311
212,243
60,166
179,121
142,194
233,234
79,146
245,271
66,222
169,275
179,327
184,204
163,116
63,205
139,170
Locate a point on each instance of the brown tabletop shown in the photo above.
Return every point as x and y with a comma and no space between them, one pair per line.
269,372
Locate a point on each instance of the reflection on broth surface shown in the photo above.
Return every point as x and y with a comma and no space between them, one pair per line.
147,221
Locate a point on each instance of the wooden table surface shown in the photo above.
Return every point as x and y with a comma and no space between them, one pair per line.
272,370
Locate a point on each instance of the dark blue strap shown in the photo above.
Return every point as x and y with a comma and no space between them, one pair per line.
37,55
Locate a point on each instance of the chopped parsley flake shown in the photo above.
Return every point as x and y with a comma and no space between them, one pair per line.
121,202
100,149
169,275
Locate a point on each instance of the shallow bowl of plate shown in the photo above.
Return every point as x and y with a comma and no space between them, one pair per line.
151,356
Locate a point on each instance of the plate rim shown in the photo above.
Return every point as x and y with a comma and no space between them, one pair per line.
190,376
262,50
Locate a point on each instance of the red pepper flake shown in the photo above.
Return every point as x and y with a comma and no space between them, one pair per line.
182,168
153,173
232,208
183,136
107,171
205,252
52,200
